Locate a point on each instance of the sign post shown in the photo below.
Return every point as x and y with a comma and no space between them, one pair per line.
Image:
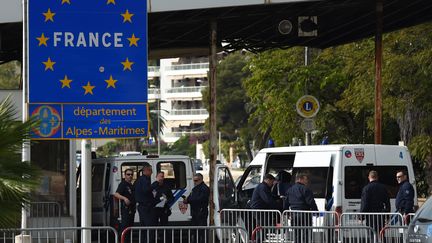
87,74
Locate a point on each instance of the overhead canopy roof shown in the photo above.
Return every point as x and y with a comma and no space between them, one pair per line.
255,27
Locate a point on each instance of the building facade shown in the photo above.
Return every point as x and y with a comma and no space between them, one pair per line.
177,83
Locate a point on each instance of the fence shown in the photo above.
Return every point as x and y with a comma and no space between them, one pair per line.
44,214
250,218
394,234
316,234
309,218
60,235
195,234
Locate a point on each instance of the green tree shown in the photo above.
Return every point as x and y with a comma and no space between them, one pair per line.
184,146
17,178
10,75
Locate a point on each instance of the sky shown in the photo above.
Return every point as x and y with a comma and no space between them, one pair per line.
10,11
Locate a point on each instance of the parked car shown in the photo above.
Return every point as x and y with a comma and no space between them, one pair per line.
420,228
198,164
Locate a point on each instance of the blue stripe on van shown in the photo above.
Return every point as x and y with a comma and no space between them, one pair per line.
177,194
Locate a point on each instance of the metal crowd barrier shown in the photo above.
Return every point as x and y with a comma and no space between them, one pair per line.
309,218
408,218
250,218
327,234
188,234
44,214
394,234
375,220
60,235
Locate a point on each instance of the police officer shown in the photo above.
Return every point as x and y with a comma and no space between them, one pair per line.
300,197
125,194
262,198
162,209
279,190
199,200
405,196
146,200
374,198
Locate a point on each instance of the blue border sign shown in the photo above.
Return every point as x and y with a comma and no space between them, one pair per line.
88,52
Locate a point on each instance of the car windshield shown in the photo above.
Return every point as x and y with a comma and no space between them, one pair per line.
425,212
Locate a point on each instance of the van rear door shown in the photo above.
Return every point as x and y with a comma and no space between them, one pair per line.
100,200
318,166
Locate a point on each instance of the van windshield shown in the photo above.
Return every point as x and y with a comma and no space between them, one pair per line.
356,179
320,180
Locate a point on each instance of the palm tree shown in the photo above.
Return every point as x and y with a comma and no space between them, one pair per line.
17,178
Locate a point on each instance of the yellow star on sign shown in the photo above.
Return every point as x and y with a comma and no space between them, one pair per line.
65,1
110,1
127,64
133,41
49,64
111,82
127,16
88,88
49,15
42,40
65,82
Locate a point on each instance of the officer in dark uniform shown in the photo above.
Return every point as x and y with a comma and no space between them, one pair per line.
164,194
405,196
279,190
375,199
125,194
262,198
146,200
199,200
300,197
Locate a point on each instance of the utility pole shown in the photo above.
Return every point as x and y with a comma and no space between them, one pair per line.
212,86
378,68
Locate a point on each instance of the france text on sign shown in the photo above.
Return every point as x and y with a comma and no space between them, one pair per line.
70,121
87,51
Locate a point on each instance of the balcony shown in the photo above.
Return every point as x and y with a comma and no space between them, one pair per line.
180,134
153,71
186,89
204,65
153,93
197,70
185,93
187,112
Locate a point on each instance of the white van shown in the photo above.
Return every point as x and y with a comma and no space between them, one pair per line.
107,174
337,173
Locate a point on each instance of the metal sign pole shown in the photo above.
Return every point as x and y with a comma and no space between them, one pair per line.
26,144
86,185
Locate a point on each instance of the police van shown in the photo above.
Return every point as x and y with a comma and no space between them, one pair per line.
337,173
107,173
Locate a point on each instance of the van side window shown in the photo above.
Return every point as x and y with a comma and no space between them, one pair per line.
253,179
226,188
137,169
356,179
279,162
320,180
175,174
